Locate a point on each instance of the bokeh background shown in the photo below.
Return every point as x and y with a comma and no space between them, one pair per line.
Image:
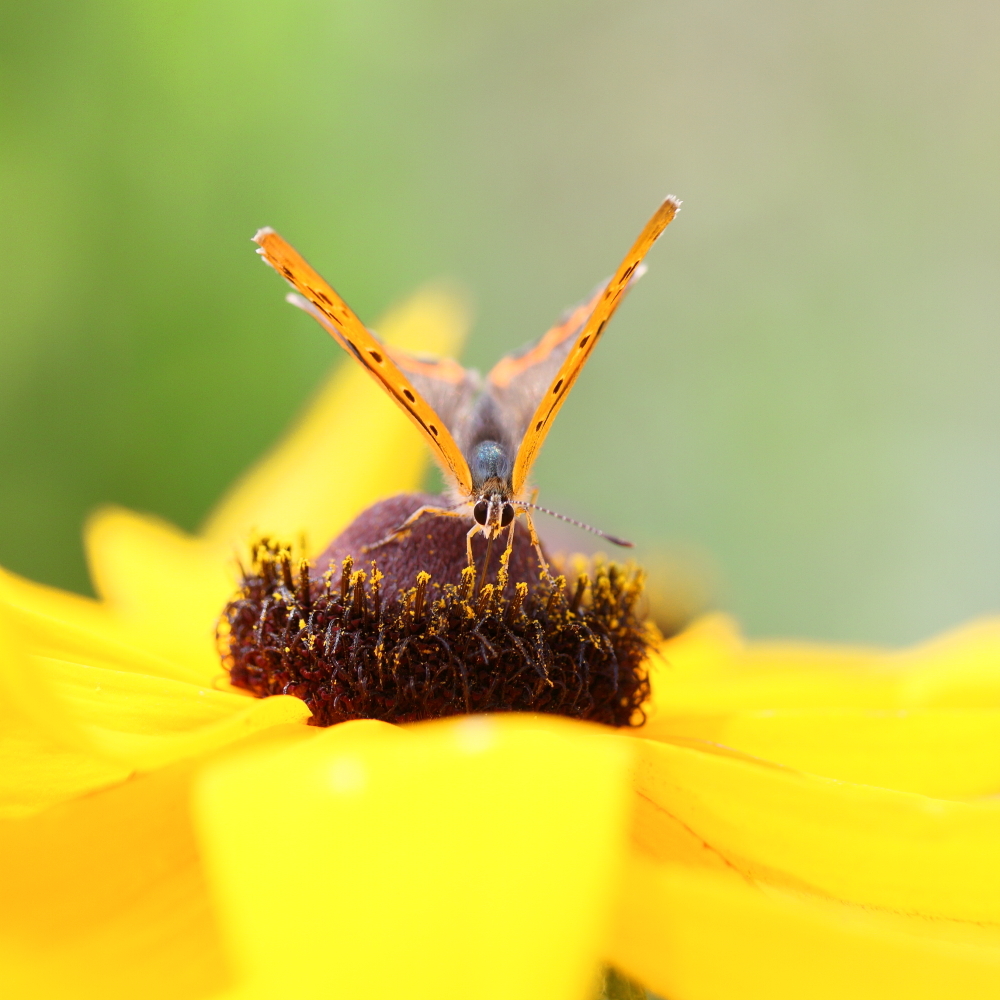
799,402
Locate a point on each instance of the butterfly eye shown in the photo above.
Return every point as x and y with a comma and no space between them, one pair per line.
506,515
480,511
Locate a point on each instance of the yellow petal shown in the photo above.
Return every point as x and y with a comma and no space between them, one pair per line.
940,752
103,897
350,448
146,722
162,580
958,669
458,859
692,934
37,771
55,623
24,694
710,668
872,846
130,719
707,647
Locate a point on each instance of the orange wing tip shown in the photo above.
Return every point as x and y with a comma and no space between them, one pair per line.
663,216
261,234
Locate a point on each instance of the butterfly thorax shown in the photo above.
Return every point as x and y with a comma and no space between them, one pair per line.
491,464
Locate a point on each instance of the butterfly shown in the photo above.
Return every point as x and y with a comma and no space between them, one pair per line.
484,433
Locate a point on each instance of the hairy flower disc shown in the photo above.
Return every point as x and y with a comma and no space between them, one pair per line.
404,644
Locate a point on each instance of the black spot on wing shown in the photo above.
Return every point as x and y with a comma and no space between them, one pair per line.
409,395
375,356
557,387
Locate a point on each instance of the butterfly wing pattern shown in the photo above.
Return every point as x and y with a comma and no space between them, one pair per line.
485,434
449,389
574,350
336,316
518,381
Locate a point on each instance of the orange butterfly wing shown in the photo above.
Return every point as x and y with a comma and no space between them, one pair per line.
607,302
508,368
344,326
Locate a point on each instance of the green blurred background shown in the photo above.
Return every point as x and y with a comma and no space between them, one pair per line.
800,399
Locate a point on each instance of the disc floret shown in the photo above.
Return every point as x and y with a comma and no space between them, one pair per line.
352,651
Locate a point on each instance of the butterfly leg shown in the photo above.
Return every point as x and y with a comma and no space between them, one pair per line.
407,525
468,542
510,541
535,542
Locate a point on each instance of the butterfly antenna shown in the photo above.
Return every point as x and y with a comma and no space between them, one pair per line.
579,524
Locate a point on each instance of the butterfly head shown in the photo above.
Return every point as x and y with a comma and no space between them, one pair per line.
494,512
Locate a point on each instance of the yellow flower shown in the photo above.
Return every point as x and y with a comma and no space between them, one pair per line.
793,821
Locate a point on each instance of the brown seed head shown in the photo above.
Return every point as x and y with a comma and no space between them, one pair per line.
404,633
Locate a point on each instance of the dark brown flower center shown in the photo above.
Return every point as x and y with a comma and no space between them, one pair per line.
404,633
